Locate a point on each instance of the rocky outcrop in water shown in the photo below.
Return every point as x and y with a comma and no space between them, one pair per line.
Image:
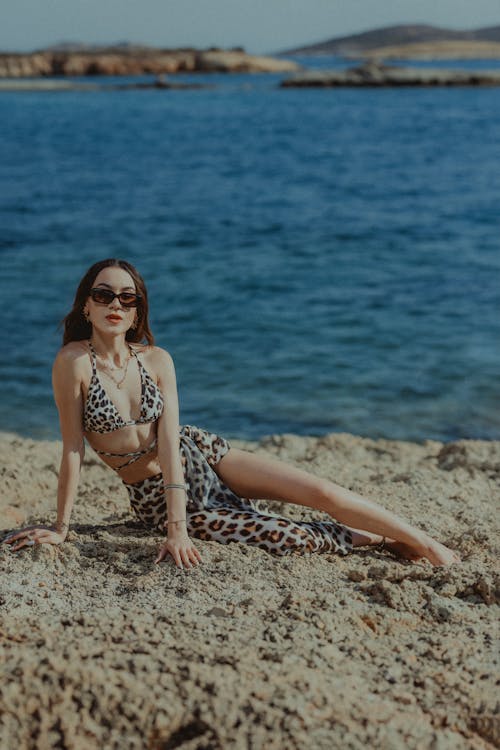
137,61
374,74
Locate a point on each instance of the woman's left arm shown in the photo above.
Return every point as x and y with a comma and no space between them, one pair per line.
178,543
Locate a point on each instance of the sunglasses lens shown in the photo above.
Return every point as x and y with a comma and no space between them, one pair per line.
128,299
102,296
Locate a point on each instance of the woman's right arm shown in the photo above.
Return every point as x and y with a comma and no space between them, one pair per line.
67,385
66,380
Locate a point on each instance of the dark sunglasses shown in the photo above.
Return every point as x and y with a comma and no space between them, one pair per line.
106,297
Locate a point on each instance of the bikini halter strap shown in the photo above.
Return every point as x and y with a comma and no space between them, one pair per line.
93,355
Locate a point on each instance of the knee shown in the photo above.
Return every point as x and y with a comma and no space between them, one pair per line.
325,496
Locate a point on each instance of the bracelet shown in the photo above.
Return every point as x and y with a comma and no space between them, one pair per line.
175,486
167,524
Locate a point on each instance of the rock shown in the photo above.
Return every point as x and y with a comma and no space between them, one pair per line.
452,456
374,74
218,612
378,572
405,697
487,590
356,575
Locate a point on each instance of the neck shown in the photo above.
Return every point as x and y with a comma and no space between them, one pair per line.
113,348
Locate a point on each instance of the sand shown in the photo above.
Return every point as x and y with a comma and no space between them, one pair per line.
103,649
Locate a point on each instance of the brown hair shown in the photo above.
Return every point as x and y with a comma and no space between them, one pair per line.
76,328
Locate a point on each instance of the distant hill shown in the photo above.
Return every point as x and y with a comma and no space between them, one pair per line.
374,41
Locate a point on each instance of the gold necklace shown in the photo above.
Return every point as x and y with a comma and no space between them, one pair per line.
118,383
110,371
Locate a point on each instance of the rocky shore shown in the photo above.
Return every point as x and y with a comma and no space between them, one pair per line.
102,649
137,61
377,74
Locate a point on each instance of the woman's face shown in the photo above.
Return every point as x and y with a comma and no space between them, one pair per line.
112,318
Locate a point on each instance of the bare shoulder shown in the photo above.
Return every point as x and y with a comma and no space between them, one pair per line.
72,357
154,357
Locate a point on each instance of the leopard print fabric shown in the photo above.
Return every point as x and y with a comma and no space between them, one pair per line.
101,415
215,513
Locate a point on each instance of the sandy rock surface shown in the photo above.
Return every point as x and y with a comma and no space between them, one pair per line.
103,649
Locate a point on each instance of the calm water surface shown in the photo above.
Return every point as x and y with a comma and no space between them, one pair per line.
318,260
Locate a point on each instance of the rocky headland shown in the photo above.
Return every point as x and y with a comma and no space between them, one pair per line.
134,61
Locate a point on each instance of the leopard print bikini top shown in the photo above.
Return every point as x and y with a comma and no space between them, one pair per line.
101,415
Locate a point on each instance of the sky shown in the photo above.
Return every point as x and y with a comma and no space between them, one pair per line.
260,26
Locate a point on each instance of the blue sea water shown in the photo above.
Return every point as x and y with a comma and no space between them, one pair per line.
317,260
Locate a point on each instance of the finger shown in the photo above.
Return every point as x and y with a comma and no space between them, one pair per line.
161,555
20,542
193,556
185,559
178,560
15,535
20,533
12,537
23,543
197,552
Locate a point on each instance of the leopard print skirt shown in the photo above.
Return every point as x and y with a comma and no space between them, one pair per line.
216,513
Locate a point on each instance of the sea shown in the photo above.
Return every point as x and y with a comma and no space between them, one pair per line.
318,260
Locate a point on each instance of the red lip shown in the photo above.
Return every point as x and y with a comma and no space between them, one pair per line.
114,318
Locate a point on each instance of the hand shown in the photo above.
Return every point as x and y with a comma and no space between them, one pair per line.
182,549
32,535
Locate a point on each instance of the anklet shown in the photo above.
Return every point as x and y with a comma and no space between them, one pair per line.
381,545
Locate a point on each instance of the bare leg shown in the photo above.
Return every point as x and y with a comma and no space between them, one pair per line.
252,476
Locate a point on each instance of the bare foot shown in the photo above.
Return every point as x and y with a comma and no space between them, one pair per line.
436,553
429,549
401,549
425,548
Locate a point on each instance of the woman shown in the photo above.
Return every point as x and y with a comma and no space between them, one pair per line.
121,396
